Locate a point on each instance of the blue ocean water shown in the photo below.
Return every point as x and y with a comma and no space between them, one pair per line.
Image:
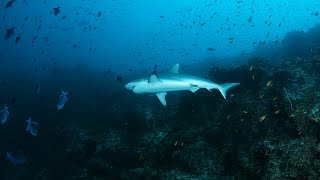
66,64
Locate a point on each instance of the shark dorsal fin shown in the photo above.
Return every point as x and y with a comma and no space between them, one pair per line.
162,98
153,79
175,69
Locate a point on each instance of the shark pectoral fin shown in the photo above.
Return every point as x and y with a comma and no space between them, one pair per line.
175,69
194,88
162,98
153,78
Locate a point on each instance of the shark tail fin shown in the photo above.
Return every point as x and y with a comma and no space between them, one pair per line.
223,88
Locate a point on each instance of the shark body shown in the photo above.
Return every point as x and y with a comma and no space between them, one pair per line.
174,81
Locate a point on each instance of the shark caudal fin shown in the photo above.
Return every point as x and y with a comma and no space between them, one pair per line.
223,88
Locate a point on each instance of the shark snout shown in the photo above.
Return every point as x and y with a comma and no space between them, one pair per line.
129,86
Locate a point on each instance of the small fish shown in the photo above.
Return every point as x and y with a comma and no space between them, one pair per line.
269,83
32,127
261,96
252,77
250,69
16,158
4,113
268,34
277,112
56,10
245,112
9,33
175,144
262,118
18,38
62,99
37,89
211,49
99,14
228,117
275,98
9,4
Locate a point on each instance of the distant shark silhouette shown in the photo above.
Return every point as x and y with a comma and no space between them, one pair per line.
173,81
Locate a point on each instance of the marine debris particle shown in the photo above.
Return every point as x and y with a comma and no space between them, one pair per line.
9,33
56,10
161,17
9,4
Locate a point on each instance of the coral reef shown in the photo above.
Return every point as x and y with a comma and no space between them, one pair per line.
266,129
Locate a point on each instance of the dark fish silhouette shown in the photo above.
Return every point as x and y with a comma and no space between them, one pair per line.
9,4
56,10
37,89
9,33
17,157
18,38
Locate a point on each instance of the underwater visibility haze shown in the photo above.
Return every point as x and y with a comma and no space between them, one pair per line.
159,89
